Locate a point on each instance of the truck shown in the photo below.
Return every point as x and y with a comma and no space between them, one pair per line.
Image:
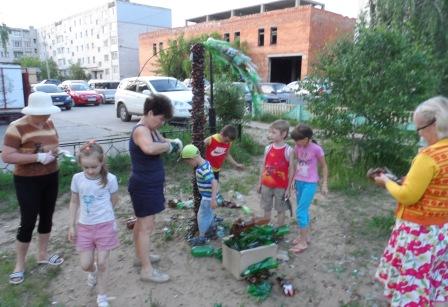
14,91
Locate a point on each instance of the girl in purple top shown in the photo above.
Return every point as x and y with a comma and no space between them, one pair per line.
308,155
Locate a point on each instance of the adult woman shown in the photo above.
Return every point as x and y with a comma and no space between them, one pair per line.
414,266
147,178
31,143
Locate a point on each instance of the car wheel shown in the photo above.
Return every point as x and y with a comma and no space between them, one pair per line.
124,115
68,108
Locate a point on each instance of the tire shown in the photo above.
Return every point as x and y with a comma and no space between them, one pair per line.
123,113
68,108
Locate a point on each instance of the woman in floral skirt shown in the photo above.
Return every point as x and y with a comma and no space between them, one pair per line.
414,265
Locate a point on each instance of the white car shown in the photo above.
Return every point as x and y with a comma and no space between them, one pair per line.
132,93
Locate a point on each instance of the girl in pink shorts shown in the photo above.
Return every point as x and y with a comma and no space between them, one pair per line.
94,193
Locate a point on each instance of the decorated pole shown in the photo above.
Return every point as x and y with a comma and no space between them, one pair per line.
197,112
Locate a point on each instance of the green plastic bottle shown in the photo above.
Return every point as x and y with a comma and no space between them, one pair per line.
203,251
266,264
281,231
260,291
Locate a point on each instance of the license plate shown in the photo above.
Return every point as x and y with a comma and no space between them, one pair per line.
91,99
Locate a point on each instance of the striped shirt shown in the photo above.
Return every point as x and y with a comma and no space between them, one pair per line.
30,139
204,178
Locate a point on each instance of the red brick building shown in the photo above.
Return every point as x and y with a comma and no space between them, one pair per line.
283,37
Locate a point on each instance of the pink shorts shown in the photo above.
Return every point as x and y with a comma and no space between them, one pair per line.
103,237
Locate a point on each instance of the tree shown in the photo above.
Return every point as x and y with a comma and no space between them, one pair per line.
29,61
175,60
424,21
4,36
376,82
52,67
76,72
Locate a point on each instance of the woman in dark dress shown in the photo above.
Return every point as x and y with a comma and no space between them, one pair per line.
148,177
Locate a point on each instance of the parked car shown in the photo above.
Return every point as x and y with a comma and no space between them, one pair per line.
50,81
132,93
67,83
58,96
82,95
247,94
302,88
106,88
275,92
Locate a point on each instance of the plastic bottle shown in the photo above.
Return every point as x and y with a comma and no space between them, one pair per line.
203,251
266,264
220,231
167,233
281,231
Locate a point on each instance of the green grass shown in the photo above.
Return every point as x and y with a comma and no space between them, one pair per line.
381,225
32,291
8,201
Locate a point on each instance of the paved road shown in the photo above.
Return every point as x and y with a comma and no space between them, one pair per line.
84,123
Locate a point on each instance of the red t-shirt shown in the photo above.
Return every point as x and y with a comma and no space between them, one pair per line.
276,165
217,152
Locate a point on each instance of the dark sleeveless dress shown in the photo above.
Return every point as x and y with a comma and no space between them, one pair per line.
147,180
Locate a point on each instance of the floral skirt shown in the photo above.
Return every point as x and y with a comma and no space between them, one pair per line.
414,265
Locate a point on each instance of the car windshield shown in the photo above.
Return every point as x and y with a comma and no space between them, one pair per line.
243,87
106,85
168,85
79,87
48,88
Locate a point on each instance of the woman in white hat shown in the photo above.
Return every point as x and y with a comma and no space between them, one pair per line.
31,143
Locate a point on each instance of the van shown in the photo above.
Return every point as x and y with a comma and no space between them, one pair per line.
106,88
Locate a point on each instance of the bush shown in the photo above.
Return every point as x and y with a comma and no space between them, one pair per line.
229,102
376,82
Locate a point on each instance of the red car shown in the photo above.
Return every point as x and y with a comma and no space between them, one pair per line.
82,95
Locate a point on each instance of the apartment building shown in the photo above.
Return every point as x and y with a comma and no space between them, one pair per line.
283,37
103,40
21,42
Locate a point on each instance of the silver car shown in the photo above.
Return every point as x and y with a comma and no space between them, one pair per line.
106,88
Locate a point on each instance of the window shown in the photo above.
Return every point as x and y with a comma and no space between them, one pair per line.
114,55
106,57
273,35
236,36
113,40
17,44
18,54
106,71
34,40
88,60
35,50
115,69
106,42
160,46
93,59
261,37
141,86
154,49
28,44
99,64
226,37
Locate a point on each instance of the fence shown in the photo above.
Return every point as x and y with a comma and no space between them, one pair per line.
300,113
111,146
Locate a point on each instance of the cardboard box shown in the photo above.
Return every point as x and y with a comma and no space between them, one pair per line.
237,261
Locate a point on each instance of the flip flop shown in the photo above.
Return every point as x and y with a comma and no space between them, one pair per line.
55,260
16,278
298,249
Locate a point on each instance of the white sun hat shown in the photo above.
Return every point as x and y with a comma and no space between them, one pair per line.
40,103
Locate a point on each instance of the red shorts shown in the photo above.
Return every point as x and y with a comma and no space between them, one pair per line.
103,237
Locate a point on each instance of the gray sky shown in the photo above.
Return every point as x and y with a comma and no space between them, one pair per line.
25,13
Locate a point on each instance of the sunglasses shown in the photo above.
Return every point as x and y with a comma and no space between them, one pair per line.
427,125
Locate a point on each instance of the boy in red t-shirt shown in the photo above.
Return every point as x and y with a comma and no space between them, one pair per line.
275,173
217,149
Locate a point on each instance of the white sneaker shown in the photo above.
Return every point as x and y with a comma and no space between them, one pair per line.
102,301
155,276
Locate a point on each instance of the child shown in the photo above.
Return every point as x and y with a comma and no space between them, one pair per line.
208,187
275,171
217,149
306,158
94,192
